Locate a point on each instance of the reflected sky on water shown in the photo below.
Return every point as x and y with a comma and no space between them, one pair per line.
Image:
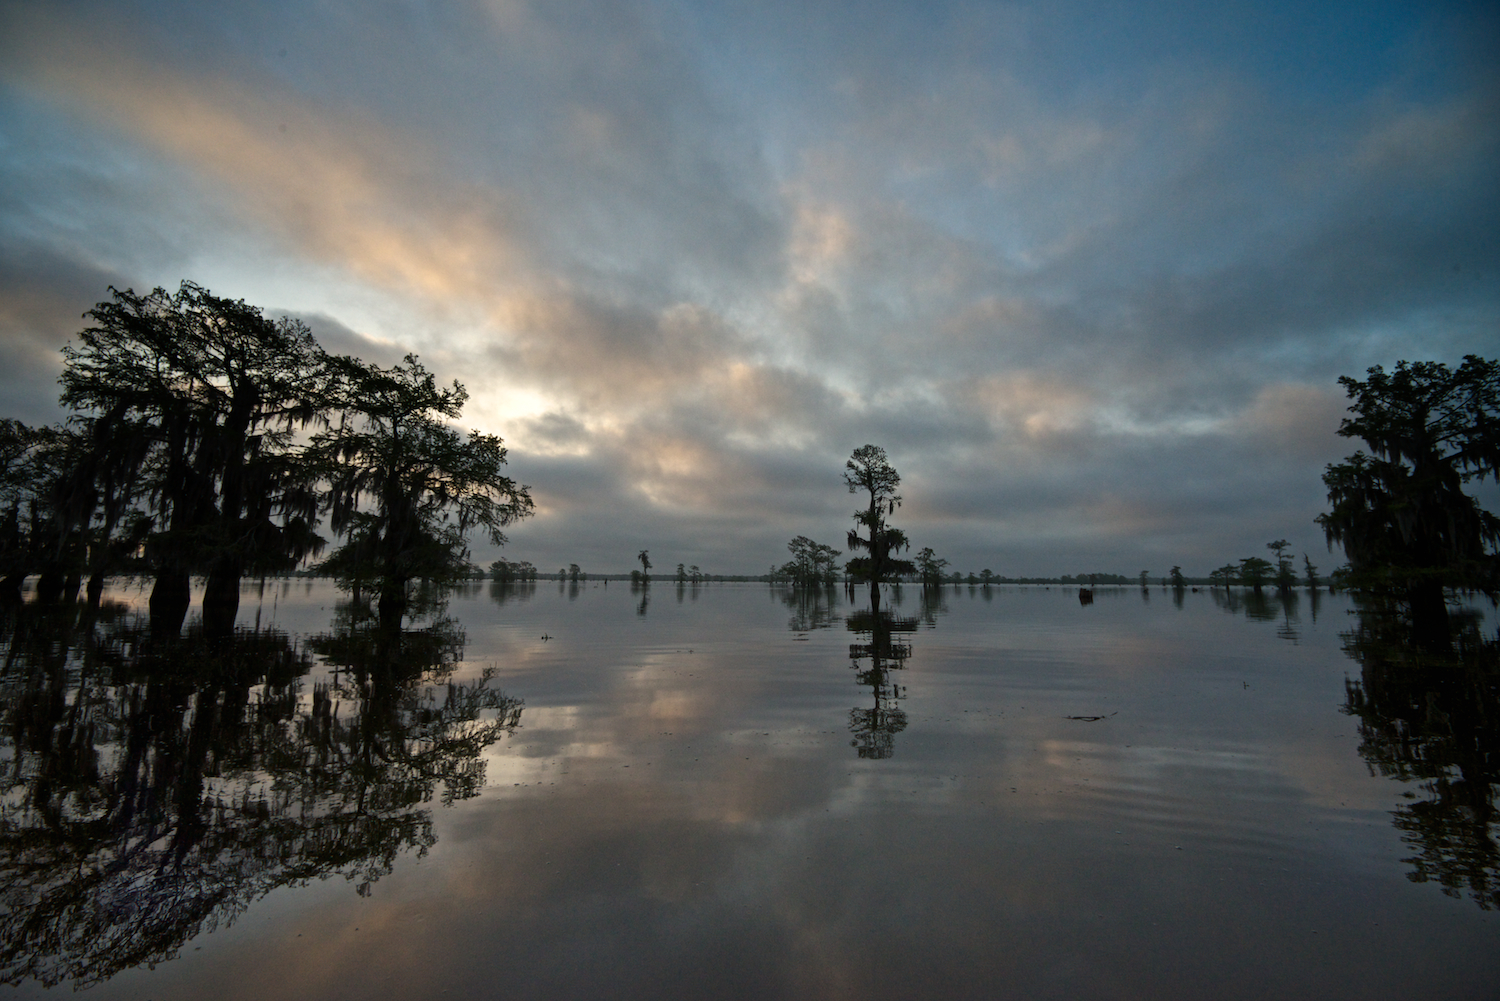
740,791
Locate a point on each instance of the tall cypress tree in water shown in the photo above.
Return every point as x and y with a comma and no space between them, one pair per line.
406,487
1401,514
870,472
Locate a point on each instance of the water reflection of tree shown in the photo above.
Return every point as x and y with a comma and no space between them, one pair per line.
880,653
153,791
1257,606
812,606
1430,714
504,591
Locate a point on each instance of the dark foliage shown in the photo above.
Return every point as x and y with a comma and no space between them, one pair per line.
869,471
1401,513
404,488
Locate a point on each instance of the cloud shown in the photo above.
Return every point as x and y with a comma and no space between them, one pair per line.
42,299
686,260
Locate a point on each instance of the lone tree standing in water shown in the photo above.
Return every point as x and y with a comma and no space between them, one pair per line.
869,471
1401,513
405,487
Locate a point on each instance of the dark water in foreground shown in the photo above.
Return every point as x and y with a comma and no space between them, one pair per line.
734,792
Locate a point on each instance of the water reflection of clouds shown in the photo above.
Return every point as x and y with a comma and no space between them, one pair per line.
746,848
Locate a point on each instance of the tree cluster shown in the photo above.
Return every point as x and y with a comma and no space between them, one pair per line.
1255,572
930,568
205,438
506,571
812,564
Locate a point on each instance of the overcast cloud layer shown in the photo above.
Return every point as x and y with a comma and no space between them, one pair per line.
1089,273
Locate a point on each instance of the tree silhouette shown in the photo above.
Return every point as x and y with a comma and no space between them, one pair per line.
645,557
188,403
1253,572
868,470
405,487
930,568
812,563
1286,576
1401,513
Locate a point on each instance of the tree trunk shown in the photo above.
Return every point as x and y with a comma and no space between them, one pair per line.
96,588
49,587
221,598
169,602
392,607
10,586
1429,616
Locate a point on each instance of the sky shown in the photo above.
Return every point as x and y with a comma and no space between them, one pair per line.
1089,272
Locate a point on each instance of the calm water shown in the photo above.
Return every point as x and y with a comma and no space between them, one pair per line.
729,791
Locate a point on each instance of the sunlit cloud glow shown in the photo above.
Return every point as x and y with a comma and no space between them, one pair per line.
686,258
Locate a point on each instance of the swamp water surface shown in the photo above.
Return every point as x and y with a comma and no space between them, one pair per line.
733,791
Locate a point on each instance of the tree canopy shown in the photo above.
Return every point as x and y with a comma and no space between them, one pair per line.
186,453
869,470
1401,512
185,405
812,563
930,567
404,488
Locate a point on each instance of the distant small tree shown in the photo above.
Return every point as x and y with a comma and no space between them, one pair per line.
1286,575
695,573
645,557
930,568
1223,576
986,577
1177,579
1254,572
1145,579
681,574
574,573
812,563
1309,572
